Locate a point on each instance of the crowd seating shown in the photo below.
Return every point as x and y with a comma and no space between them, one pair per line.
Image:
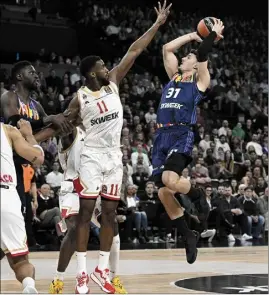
231,142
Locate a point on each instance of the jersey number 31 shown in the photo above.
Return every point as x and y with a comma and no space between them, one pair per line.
172,92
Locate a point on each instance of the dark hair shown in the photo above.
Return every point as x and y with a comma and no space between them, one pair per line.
18,67
248,188
88,63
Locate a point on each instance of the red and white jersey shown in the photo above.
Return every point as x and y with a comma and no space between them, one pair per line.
102,115
8,172
70,158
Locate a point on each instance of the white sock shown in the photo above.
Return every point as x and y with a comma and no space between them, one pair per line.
59,275
114,257
103,260
28,282
81,262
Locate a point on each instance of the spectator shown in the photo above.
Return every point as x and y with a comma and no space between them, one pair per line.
230,213
255,221
54,178
48,213
138,217
262,205
238,131
254,143
150,116
135,154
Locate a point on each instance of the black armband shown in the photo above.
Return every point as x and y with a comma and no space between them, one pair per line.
36,124
205,47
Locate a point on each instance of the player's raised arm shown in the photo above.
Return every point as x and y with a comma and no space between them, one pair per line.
205,47
72,115
169,58
120,71
24,142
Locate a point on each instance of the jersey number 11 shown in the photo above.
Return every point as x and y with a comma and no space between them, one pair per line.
102,107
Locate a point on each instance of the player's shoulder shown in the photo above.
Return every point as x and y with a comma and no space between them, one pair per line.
11,132
9,95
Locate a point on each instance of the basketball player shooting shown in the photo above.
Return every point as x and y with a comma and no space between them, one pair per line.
175,117
99,106
13,234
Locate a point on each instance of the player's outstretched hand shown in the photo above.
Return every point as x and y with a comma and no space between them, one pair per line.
162,13
218,28
24,128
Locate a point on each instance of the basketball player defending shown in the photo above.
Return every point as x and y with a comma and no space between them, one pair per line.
99,106
18,104
69,151
176,114
13,234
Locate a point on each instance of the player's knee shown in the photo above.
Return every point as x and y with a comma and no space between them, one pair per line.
85,211
108,213
17,262
169,178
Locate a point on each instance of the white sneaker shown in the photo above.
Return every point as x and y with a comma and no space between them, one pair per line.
208,233
29,290
246,237
231,238
212,236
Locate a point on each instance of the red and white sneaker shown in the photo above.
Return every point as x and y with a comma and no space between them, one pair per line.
82,284
101,278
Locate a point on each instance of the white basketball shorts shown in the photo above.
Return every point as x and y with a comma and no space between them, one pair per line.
100,173
13,234
68,200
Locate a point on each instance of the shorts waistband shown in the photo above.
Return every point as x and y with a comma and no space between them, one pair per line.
174,124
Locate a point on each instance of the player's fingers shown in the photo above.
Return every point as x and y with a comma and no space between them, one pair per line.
156,10
164,4
168,8
159,6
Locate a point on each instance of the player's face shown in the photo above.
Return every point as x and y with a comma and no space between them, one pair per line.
30,78
102,73
188,63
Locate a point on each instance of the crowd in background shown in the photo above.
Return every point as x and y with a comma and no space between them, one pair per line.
230,156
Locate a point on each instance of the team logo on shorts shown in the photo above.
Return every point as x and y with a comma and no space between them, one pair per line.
104,189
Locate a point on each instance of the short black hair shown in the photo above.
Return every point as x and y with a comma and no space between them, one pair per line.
18,67
248,188
88,63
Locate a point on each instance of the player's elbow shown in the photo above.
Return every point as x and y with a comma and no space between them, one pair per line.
40,160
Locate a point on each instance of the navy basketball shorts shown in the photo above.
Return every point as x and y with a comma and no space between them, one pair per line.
172,149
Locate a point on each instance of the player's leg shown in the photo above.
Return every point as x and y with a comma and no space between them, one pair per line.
88,187
67,249
173,168
69,206
24,272
114,262
159,155
112,164
171,176
14,241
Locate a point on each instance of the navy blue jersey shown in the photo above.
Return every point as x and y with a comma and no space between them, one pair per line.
178,102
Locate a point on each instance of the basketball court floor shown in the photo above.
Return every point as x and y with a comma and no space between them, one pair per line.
230,270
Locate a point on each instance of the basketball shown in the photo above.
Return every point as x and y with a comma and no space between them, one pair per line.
205,26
